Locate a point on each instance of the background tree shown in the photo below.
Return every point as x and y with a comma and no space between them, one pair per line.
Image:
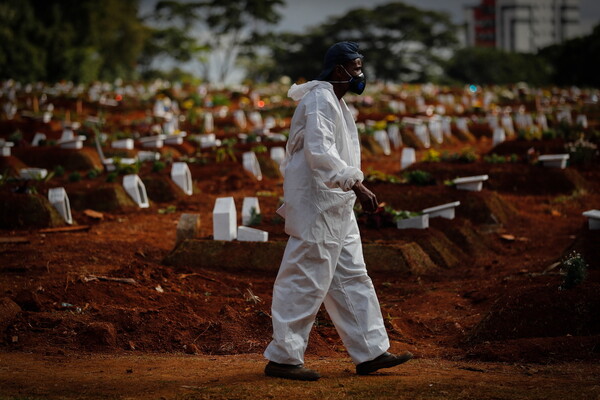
485,65
400,42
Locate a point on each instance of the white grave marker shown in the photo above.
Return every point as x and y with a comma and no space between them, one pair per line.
152,142
593,219
5,147
418,222
136,190
582,121
224,219
144,156
176,138
209,123
507,124
554,160
394,135
122,144
246,234
240,118
33,173
447,126
435,128
381,137
445,210
542,121
499,136
461,124
423,135
408,157
277,154
181,175
471,183
251,164
250,203
59,200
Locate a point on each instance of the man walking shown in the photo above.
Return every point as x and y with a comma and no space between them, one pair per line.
323,260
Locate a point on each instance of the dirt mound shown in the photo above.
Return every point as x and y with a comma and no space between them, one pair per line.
485,207
10,166
522,178
520,147
20,210
162,189
50,157
587,244
542,311
104,197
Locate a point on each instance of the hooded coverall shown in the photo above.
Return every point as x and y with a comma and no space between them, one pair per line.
323,260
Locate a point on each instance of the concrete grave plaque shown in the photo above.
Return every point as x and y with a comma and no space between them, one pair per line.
246,234
593,219
554,160
122,144
418,222
381,137
542,121
251,164
176,138
447,126
181,175
507,124
408,157
435,129
60,201
255,119
5,148
136,190
461,124
148,155
445,210
152,142
471,183
33,173
277,154
250,204
224,219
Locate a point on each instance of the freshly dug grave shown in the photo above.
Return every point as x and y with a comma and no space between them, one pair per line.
521,178
49,157
23,211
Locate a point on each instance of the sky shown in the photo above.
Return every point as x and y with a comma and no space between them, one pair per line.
297,15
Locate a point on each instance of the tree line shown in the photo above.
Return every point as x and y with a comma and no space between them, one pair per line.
88,40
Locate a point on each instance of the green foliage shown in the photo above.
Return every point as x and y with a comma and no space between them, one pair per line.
432,155
498,159
167,210
112,177
400,214
259,149
418,177
484,65
79,40
574,269
466,155
93,173
582,152
374,175
15,137
158,166
255,217
226,150
74,177
59,171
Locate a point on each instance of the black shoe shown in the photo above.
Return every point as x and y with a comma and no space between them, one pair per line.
386,360
289,371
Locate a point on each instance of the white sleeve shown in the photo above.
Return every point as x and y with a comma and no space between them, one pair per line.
320,150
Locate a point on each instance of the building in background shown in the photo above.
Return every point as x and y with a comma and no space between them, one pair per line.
522,25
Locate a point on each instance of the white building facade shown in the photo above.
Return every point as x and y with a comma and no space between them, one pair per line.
522,26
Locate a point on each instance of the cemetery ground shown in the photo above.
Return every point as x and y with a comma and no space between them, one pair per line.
110,311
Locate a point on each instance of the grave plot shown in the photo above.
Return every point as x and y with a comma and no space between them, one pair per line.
510,177
50,157
22,211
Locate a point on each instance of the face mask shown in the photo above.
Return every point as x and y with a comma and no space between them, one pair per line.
357,83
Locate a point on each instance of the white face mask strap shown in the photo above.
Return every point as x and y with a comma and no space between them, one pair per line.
348,81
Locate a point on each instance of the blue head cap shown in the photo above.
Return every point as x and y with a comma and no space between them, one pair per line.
339,53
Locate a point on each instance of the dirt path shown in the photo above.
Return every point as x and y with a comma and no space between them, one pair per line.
146,376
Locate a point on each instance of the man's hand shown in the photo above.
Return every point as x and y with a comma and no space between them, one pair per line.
367,199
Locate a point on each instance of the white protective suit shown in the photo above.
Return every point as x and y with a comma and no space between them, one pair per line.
323,261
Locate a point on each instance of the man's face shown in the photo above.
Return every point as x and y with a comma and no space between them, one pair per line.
354,67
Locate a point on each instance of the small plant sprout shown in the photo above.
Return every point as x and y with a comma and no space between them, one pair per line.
255,218
574,269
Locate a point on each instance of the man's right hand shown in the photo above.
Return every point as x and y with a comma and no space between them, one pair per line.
367,199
